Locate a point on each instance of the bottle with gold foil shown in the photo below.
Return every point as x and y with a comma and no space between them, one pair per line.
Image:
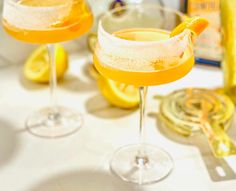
228,20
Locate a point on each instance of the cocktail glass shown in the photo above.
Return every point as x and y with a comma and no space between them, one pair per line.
134,47
48,22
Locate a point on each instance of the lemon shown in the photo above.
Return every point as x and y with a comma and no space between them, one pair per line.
119,94
196,24
36,67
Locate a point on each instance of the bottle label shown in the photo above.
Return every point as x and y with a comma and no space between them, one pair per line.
208,45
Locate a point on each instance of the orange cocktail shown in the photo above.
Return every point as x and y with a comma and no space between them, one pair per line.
48,22
144,72
134,47
154,72
73,19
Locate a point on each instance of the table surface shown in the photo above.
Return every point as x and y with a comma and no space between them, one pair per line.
80,162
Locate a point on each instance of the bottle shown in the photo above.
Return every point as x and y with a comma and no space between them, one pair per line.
228,20
208,48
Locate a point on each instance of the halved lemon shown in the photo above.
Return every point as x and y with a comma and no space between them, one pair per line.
36,67
118,94
195,24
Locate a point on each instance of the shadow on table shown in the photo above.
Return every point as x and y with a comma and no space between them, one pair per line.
218,169
84,181
75,84
69,82
89,70
99,107
8,142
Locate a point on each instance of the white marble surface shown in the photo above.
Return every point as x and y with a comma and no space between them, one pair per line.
80,162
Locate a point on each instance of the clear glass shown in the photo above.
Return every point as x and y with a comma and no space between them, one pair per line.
49,22
134,47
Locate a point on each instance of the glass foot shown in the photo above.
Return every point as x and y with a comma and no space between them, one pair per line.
50,124
141,164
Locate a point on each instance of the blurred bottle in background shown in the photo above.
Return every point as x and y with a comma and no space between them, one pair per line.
208,46
228,19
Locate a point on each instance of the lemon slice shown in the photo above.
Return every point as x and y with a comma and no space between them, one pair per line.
119,94
36,67
195,24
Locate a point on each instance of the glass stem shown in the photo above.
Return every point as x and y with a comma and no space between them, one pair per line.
142,94
141,158
53,77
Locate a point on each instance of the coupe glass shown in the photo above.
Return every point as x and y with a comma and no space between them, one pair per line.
134,48
48,22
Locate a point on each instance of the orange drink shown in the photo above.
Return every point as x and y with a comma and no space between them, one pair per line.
63,21
48,22
146,72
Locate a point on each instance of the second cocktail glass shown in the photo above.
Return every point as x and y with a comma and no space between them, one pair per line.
49,22
134,47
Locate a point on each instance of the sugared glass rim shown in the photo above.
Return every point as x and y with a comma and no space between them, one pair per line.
112,37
